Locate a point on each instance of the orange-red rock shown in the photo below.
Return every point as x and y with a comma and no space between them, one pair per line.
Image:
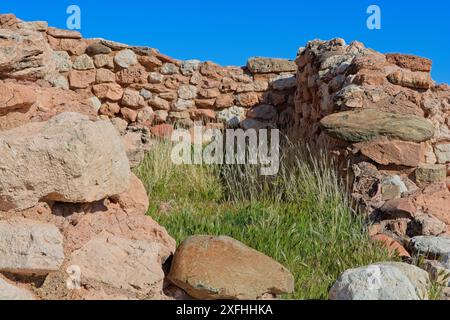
393,246
394,152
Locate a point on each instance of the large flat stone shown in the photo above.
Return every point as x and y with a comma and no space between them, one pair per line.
9,291
370,124
382,281
270,65
209,267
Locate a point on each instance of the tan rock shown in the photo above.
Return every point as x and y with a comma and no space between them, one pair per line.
24,54
128,114
81,79
434,200
270,65
60,33
109,109
208,267
200,114
149,62
131,265
29,247
134,74
134,200
89,155
411,79
132,99
104,76
9,291
224,101
103,61
247,99
110,91
399,208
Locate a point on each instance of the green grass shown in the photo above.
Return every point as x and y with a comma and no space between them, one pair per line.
301,217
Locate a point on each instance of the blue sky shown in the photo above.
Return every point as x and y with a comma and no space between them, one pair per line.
230,31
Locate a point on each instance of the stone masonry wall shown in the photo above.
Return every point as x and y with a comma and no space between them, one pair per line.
382,114
140,86
384,117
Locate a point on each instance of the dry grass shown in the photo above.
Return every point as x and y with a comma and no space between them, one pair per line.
301,217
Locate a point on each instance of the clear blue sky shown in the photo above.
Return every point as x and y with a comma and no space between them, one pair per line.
230,31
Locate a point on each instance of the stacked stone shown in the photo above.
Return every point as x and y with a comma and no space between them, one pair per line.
385,116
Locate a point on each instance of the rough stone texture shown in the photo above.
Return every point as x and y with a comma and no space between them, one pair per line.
414,80
209,267
382,281
89,155
394,152
125,58
24,54
430,246
431,173
369,124
131,265
270,65
9,291
15,96
134,199
29,247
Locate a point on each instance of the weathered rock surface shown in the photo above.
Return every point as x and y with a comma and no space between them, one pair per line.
131,265
430,246
89,155
270,65
29,247
15,96
24,54
382,281
394,152
208,267
369,124
9,291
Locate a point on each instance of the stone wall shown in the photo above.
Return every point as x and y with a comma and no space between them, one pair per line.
384,117
140,85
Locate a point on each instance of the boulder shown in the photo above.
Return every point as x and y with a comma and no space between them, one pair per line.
9,291
209,267
125,58
411,79
89,155
29,247
433,247
134,199
411,62
130,265
382,281
370,124
25,54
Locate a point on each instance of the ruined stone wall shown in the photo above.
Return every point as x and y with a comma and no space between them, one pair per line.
141,86
383,115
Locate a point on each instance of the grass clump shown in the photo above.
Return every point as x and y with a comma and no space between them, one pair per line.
300,217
